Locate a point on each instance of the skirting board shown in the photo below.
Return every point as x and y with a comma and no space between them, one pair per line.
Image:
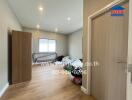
84,90
4,89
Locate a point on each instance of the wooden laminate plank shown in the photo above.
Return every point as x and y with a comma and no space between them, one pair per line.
45,85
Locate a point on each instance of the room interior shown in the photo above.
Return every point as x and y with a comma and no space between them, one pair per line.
37,39
65,49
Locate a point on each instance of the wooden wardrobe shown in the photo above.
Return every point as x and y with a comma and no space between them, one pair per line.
21,57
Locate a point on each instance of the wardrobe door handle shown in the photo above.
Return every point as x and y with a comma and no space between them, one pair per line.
121,60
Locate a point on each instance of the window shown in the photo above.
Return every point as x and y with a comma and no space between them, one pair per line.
46,45
52,45
43,45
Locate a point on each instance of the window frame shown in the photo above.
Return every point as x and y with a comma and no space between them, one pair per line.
48,45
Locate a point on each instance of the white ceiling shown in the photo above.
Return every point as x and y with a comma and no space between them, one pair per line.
54,15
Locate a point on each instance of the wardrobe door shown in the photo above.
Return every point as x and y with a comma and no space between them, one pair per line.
100,55
109,51
21,57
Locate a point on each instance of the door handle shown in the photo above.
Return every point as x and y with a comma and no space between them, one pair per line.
121,60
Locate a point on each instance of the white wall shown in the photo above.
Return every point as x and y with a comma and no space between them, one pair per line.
7,20
75,44
61,40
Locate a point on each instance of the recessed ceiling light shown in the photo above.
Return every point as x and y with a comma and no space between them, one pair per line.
38,26
69,18
56,29
40,8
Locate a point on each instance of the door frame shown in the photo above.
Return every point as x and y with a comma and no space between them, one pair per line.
129,68
90,18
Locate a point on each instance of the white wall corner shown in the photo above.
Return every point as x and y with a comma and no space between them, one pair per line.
83,89
4,90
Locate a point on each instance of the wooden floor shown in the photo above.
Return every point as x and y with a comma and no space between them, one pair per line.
46,84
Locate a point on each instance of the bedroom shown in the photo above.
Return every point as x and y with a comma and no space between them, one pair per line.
65,49
54,35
